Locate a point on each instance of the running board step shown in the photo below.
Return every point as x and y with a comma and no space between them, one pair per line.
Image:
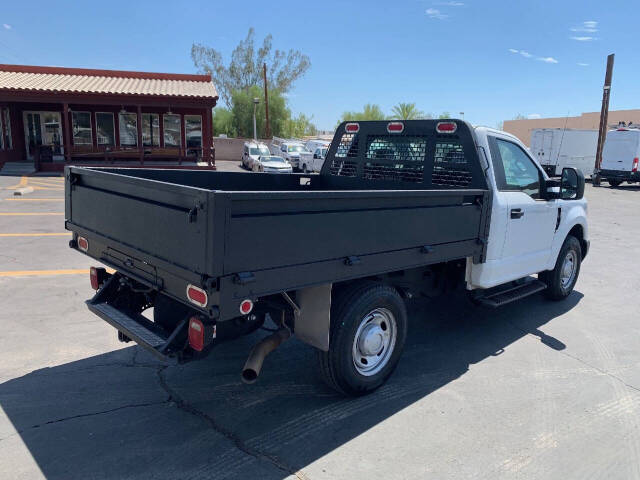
142,331
512,294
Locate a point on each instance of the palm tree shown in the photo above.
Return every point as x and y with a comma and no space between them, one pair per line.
406,111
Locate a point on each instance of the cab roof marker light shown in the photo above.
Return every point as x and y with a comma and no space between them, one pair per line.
352,127
395,127
446,127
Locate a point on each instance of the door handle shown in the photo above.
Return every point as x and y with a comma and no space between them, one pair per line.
516,213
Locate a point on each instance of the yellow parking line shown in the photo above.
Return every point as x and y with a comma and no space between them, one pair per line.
23,183
65,234
61,199
45,184
25,273
19,214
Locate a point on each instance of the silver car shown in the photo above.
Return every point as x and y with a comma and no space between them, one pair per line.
272,164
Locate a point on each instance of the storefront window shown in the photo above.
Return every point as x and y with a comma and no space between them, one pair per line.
82,128
128,129
193,130
6,143
150,129
105,130
172,136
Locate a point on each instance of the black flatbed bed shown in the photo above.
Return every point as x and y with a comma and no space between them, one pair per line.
240,235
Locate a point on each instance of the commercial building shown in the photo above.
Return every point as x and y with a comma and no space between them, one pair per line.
587,121
53,116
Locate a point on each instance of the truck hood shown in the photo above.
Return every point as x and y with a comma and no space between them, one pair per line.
276,165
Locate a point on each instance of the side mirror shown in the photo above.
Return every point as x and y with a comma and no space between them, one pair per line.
315,155
571,184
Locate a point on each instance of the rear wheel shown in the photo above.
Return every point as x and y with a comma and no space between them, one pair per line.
367,335
561,280
615,183
304,168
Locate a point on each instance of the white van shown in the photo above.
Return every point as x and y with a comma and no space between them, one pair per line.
251,151
556,148
620,156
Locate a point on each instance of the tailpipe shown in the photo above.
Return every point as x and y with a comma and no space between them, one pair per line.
258,353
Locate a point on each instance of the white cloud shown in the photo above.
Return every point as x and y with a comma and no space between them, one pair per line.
590,26
525,54
532,116
6,26
583,39
583,64
435,13
513,50
547,59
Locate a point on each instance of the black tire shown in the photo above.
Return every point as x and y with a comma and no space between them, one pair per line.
615,183
304,169
556,289
350,307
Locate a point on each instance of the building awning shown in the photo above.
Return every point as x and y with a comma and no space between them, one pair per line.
24,78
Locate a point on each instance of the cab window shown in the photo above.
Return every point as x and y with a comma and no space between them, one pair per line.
515,171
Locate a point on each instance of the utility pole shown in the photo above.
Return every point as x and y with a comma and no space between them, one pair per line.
604,116
266,100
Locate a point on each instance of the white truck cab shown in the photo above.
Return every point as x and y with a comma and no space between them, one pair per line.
529,227
293,151
251,151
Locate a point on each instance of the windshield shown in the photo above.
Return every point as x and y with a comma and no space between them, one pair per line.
296,148
258,151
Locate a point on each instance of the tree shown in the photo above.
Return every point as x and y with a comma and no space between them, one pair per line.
223,122
245,68
300,126
406,111
445,115
369,112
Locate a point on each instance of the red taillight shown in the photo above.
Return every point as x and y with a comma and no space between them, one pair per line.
352,127
93,276
246,306
446,127
635,165
197,295
83,244
395,127
196,334
622,130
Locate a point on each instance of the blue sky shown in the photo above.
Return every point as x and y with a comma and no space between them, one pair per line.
491,59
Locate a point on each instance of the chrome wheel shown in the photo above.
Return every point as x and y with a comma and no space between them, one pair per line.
568,270
374,341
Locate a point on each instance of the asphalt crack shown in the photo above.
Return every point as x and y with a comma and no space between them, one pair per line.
228,434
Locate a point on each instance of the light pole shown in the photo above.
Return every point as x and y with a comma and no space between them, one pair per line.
255,105
462,114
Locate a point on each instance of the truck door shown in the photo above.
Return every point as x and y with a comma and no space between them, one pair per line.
530,219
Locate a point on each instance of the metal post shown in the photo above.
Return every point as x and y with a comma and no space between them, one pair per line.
604,116
139,122
255,106
266,101
66,126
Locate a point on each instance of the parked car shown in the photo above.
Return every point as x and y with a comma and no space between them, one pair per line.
400,209
620,156
317,162
293,151
556,148
251,151
271,164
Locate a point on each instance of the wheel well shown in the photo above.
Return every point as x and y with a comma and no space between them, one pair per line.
578,232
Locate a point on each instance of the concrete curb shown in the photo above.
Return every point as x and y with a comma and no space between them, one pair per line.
23,190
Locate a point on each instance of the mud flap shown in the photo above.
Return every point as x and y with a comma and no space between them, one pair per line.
313,317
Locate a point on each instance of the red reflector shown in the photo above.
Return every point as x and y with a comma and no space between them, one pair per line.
352,127
446,127
635,165
196,334
83,244
246,306
395,127
197,295
93,276
622,129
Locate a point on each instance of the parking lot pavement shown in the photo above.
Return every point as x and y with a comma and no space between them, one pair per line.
533,390
229,166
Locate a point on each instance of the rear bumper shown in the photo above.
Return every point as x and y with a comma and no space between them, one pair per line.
621,175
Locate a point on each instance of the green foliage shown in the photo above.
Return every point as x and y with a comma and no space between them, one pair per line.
369,112
445,115
407,111
299,126
245,68
223,122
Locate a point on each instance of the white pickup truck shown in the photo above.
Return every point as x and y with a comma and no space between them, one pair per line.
293,151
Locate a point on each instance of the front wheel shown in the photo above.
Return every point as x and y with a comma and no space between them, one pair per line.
367,335
615,183
561,280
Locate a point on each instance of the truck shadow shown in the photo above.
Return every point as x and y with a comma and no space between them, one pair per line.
121,414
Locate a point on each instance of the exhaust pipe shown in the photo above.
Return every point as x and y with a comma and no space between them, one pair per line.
258,353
